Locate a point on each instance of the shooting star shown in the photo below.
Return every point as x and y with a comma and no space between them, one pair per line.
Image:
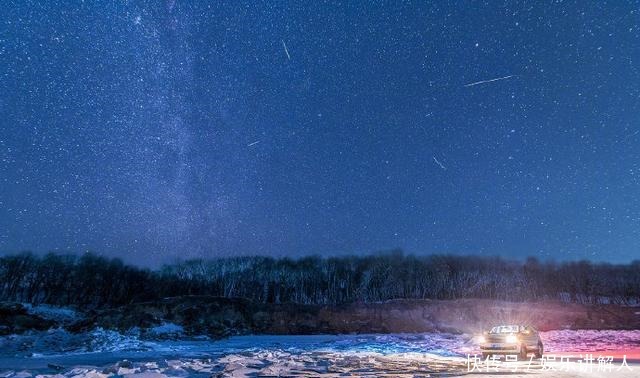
286,50
440,164
489,81
253,144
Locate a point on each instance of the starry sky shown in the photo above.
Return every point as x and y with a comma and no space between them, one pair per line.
157,130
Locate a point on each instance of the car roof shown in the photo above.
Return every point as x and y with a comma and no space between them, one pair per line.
511,328
513,325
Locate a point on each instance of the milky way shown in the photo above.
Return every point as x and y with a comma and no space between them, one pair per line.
155,131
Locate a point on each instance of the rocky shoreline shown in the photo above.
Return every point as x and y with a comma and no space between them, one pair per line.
221,317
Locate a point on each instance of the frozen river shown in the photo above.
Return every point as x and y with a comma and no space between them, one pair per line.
106,353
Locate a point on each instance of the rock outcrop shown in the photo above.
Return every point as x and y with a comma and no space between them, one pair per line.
15,319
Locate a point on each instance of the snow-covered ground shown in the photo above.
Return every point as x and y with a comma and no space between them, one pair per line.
61,314
589,340
104,353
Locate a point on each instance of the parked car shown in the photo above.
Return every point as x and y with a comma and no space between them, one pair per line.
511,339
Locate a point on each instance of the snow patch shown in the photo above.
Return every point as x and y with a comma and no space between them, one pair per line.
167,329
59,314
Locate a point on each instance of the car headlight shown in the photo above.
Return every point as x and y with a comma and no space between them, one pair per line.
482,339
512,339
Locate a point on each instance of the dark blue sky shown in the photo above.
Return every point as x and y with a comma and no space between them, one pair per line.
151,130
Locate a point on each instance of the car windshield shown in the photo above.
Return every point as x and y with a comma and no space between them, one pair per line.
504,329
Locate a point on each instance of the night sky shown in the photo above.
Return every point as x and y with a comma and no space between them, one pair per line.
160,130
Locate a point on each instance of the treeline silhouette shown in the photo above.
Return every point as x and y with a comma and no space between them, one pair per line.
91,280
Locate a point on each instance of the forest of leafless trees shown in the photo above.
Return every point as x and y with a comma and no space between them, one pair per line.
94,281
